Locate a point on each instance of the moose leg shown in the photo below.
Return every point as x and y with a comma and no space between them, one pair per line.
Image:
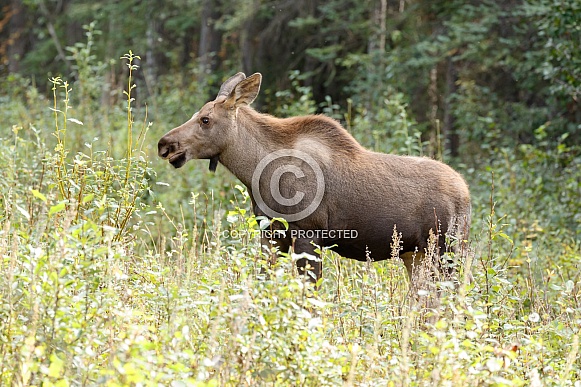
312,268
422,274
273,246
414,264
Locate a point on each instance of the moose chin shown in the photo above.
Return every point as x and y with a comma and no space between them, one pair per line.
311,172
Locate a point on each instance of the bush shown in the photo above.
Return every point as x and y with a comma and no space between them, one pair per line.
108,276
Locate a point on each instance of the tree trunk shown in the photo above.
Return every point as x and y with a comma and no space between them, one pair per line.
436,135
16,38
376,51
151,54
452,140
246,47
53,33
309,9
378,20
248,38
210,37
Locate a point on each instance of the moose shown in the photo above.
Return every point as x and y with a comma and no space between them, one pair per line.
329,189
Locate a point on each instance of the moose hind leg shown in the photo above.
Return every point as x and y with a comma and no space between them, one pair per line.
421,273
414,264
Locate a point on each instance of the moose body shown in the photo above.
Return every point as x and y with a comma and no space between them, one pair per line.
360,195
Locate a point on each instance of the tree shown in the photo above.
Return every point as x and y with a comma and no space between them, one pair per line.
16,35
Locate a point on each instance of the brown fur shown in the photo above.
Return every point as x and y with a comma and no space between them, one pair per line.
287,131
365,191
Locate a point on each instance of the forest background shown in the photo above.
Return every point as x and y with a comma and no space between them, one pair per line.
116,268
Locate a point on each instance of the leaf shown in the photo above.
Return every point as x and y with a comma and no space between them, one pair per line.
283,221
39,195
75,121
232,217
534,317
494,365
263,222
56,366
88,197
57,208
23,211
504,236
316,303
491,271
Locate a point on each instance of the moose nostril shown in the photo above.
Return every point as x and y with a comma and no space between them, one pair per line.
163,149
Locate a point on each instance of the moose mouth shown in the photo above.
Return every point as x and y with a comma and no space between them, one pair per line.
178,160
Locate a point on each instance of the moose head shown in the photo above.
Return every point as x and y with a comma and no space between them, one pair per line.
207,133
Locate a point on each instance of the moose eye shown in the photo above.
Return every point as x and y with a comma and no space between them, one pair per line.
205,120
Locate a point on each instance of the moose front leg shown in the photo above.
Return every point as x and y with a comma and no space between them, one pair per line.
272,247
273,240
312,267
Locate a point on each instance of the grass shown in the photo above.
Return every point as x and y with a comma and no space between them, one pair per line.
109,275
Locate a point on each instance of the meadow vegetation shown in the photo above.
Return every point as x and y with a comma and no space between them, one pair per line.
116,269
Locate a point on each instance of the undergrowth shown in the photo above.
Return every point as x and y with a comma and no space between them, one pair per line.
112,275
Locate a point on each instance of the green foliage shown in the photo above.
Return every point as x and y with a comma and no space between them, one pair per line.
118,270
89,299
388,128
559,37
511,61
88,71
296,101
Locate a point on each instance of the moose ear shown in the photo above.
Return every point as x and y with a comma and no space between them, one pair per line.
230,83
245,92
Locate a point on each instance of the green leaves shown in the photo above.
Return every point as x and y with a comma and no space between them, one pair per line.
56,368
23,211
57,208
557,27
39,195
108,278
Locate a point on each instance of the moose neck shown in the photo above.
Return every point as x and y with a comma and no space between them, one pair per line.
247,144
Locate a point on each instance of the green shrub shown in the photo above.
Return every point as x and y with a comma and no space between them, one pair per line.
112,273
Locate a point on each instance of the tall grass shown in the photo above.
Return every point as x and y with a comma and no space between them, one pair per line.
108,278
65,232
